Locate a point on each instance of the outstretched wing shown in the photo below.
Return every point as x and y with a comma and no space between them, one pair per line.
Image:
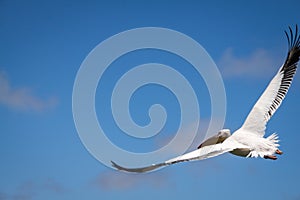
273,96
199,154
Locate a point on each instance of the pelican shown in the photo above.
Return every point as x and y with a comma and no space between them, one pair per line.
248,140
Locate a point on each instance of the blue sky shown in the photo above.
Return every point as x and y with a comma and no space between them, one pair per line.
43,44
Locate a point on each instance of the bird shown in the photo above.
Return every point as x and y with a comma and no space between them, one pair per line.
247,141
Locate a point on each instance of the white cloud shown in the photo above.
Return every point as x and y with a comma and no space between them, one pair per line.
22,98
257,64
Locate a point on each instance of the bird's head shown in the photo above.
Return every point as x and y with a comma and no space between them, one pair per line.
224,134
216,139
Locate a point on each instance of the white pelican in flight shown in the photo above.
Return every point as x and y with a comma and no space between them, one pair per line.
248,140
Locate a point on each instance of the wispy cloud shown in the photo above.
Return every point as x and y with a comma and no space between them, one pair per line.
53,186
28,190
115,180
25,191
22,98
3,196
257,64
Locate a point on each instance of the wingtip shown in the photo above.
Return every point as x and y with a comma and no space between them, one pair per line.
293,37
112,163
116,166
293,55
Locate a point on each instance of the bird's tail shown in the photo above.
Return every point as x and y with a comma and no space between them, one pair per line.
267,147
274,139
